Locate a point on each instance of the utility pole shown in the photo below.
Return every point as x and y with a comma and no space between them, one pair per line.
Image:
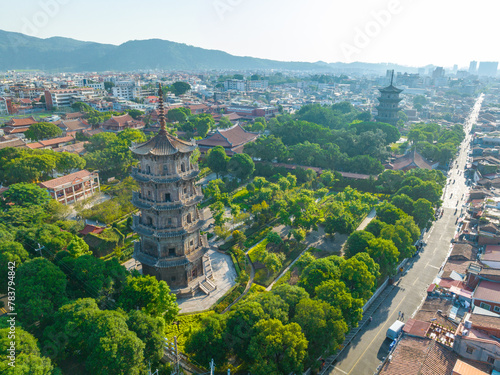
40,247
171,347
212,367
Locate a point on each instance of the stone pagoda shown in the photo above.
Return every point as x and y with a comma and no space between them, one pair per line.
389,104
171,247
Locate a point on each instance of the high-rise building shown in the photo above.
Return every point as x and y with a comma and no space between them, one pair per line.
488,68
473,67
389,104
171,247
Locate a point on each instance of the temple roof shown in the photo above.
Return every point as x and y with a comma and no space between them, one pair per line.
162,144
390,89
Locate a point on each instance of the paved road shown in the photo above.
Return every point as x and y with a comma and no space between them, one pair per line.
370,346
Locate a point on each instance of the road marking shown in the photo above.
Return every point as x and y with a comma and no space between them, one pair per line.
342,371
415,281
3,310
368,347
430,265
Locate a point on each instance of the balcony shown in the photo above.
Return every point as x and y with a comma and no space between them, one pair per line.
143,176
149,230
149,204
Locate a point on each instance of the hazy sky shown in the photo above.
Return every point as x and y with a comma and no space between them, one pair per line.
411,32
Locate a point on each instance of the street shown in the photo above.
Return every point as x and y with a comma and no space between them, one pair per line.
370,346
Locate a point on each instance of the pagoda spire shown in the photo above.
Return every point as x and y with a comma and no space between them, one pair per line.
161,111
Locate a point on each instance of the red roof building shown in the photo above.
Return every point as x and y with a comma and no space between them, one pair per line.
233,140
72,187
51,143
18,125
119,123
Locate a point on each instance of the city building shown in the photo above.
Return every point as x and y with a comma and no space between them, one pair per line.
473,67
171,247
66,97
488,68
72,187
388,108
5,106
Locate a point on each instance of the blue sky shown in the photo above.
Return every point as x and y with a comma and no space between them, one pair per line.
411,32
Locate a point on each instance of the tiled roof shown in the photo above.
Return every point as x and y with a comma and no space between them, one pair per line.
65,179
228,138
73,115
485,321
162,144
51,142
21,122
413,159
17,142
419,356
74,124
462,368
463,251
415,327
491,253
487,291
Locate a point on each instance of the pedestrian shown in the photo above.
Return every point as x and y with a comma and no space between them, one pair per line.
399,315
402,316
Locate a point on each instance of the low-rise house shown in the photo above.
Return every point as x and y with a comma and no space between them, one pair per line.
487,295
411,160
51,143
18,125
71,127
72,187
119,123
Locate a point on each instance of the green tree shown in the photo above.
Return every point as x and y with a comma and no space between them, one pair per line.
240,327
239,237
26,195
42,130
150,331
267,148
38,300
357,278
276,348
403,202
321,323
401,239
78,247
217,160
337,295
385,253
388,213
11,254
274,237
108,86
149,295
241,166
203,123
292,295
178,114
67,162
316,272
135,113
224,122
209,342
28,359
180,88
423,212
357,242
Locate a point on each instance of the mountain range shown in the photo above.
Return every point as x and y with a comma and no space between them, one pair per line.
20,51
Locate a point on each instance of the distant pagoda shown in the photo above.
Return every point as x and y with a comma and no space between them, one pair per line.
389,104
171,247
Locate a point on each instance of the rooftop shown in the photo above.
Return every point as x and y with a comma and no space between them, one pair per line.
487,291
70,178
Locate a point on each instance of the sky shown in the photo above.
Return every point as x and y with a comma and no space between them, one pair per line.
408,32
